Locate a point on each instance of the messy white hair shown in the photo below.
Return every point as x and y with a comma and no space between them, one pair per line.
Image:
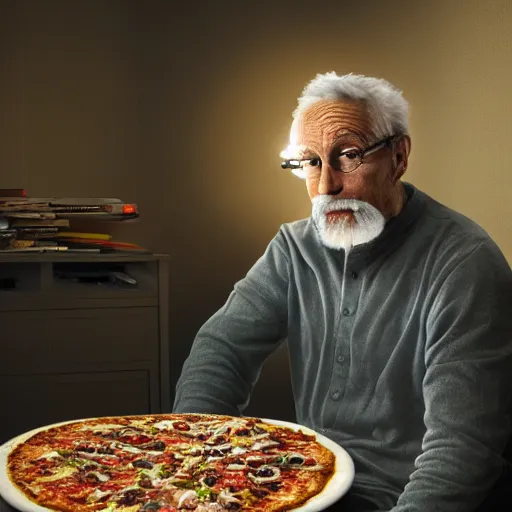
385,104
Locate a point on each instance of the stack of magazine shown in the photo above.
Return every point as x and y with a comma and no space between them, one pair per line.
47,224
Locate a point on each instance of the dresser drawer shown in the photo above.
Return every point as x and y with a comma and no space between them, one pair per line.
31,401
65,341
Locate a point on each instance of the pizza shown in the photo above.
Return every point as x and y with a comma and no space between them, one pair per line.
170,463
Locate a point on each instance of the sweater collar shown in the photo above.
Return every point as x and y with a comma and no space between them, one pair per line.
394,230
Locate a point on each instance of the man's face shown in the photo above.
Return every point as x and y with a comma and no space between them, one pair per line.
330,127
327,128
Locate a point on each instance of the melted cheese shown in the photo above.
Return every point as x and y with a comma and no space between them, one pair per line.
100,476
36,489
154,472
261,445
112,507
97,495
51,455
132,449
102,427
164,425
63,472
190,462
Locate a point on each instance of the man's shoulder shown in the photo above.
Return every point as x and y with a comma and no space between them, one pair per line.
298,237
454,234
453,225
300,228
299,233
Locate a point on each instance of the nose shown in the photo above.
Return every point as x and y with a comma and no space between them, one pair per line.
330,182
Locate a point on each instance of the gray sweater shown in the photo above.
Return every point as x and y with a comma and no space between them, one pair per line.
412,374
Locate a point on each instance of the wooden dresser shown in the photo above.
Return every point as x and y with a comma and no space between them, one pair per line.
75,344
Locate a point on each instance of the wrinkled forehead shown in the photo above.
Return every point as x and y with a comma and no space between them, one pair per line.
326,121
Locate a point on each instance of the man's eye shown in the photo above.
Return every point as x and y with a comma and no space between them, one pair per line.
313,162
350,154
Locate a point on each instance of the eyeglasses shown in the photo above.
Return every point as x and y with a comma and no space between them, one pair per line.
347,161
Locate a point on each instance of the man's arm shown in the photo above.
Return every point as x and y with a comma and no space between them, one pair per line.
467,387
230,349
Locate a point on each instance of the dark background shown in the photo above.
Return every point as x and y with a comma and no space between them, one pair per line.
184,109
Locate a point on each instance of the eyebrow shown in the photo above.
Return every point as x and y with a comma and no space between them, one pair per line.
357,143
343,134
340,138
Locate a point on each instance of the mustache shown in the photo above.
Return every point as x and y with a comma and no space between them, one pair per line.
326,204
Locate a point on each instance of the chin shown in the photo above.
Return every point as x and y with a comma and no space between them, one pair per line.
345,223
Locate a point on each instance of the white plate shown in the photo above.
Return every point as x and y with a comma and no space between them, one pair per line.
337,486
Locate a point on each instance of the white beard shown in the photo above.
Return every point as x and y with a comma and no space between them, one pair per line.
345,232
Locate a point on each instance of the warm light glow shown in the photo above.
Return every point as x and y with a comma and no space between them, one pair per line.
290,153
293,150
129,209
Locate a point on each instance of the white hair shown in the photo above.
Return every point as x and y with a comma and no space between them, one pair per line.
387,107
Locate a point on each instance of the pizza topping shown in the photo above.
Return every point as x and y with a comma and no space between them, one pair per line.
158,446
262,445
210,481
104,427
210,507
131,449
35,489
130,431
98,495
191,462
153,473
50,455
142,463
265,474
146,483
65,453
213,459
291,460
227,498
273,486
187,499
218,450
295,459
102,454
259,493
131,496
154,506
255,461
235,467
164,425
61,473
181,425
217,439
181,446
85,449
96,476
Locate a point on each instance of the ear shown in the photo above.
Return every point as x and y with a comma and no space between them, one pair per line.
401,150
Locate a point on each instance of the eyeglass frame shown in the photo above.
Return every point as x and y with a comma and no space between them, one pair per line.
296,164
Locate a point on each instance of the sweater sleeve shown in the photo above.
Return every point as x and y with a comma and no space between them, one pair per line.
467,387
229,350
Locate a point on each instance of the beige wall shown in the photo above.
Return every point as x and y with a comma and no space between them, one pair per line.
185,109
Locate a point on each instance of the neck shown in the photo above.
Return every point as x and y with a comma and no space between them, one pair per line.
399,200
